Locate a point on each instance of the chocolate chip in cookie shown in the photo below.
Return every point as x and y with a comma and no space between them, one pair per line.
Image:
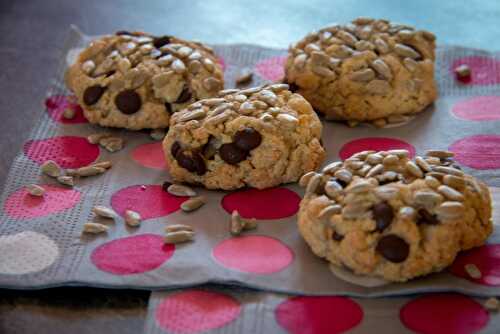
425,217
383,215
175,148
393,248
247,139
184,96
192,161
168,108
232,154
92,94
158,42
128,101
336,236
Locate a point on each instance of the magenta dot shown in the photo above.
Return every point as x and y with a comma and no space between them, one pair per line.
487,260
444,313
484,70
253,254
67,151
479,108
22,205
272,68
318,315
150,155
376,144
132,255
479,151
196,311
151,202
56,105
273,203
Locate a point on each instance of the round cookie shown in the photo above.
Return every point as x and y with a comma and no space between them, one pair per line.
134,80
368,70
383,215
258,137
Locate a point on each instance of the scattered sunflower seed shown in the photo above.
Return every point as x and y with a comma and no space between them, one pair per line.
178,237
103,211
473,271
236,223
244,77
178,227
193,203
96,137
132,218
35,190
180,190
94,228
69,113
66,180
103,164
492,304
111,144
90,171
250,224
51,168
157,134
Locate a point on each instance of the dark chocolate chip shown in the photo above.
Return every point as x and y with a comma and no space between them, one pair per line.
393,248
175,148
128,101
184,96
293,87
336,236
425,217
192,161
168,108
122,32
165,186
158,42
456,166
110,73
383,214
247,139
232,154
342,183
92,94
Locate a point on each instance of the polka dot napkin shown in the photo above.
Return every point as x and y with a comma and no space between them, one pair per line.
41,242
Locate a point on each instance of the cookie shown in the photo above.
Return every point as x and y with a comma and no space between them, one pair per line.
135,80
366,71
381,214
258,137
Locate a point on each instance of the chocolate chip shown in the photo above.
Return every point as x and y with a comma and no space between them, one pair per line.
425,217
165,186
342,183
158,42
92,94
128,101
168,108
293,87
192,161
336,236
247,139
175,148
122,32
185,95
383,214
393,248
232,154
110,73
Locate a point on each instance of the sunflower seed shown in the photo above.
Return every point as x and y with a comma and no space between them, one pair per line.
313,184
323,72
51,168
178,237
228,91
454,181
437,175
212,84
178,227
103,164
399,153
364,75
213,101
66,180
300,61
492,304
406,51
386,193
309,48
363,45
278,87
364,170
288,121
362,155
427,199
447,170
423,164
343,175
88,66
347,37
94,228
390,159
473,271
378,87
111,144
450,210
157,134
132,218
432,182
236,223
354,164
193,203
329,211
304,180
413,169
89,171
333,188
332,167
439,154
180,190
381,46
382,68
387,176
375,170
450,193
35,190
410,64
103,211
374,158
190,115
359,187
407,212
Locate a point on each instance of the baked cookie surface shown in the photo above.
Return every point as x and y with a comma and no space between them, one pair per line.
135,80
384,215
258,137
368,70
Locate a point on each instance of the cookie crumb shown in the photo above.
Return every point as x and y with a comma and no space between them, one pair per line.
492,304
96,137
112,144
473,271
35,190
244,77
51,168
463,73
69,113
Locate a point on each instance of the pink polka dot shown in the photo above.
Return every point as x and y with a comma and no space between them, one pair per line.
132,255
479,151
318,315
479,108
196,311
374,143
22,205
444,313
484,70
253,254
486,258
56,105
274,203
67,151
272,68
151,202
150,155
